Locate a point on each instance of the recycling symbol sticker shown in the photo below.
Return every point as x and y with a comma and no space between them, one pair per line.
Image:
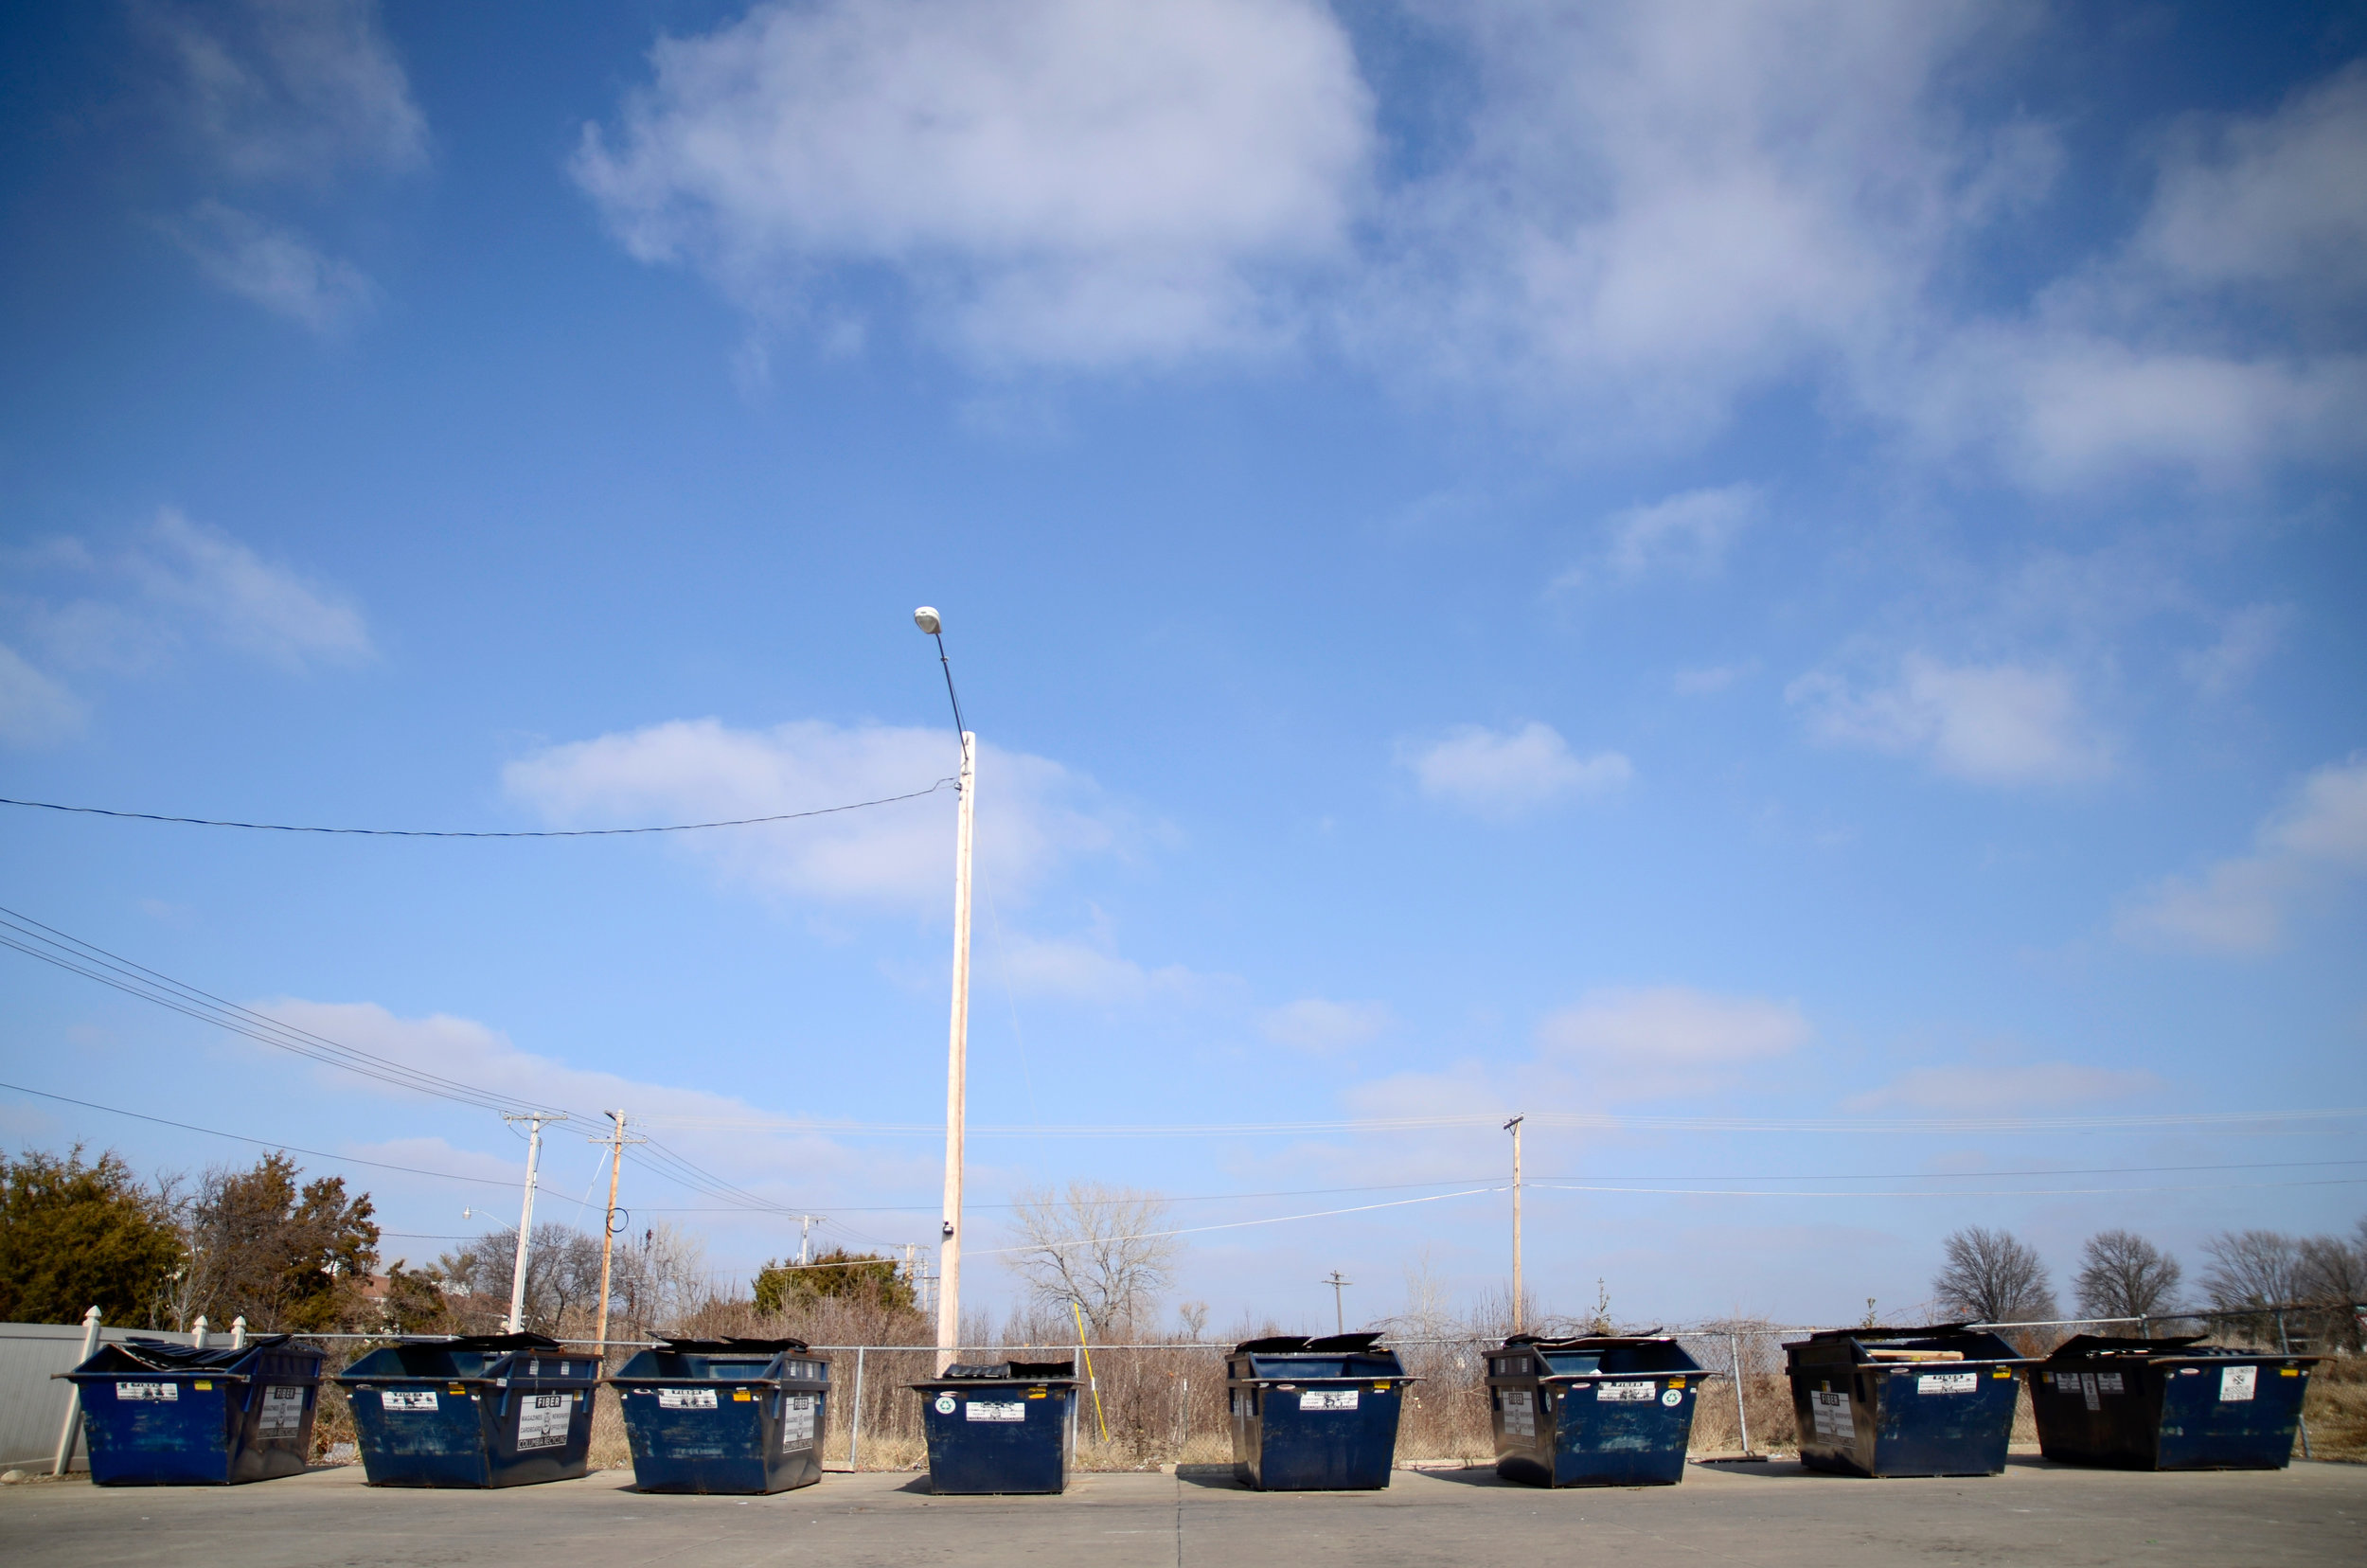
1672,1398
945,1404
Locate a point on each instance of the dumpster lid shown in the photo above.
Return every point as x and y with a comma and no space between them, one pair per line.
1586,1342
492,1345
165,1356
2185,1346
731,1345
1285,1345
1009,1371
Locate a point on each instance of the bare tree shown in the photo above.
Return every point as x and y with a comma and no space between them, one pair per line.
1096,1246
2124,1275
2334,1279
1991,1276
2253,1268
562,1276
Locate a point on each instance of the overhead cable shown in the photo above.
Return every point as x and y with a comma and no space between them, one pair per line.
454,833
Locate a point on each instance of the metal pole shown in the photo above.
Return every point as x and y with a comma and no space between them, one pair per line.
1742,1417
526,1220
73,1426
957,1071
1514,1127
2286,1345
854,1432
608,1228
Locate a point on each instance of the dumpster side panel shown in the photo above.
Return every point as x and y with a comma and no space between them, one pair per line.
1328,1439
419,1435
157,1431
986,1439
2103,1413
1828,1421
1621,1432
1524,1435
803,1421
2231,1416
695,1440
1947,1419
538,1434
275,1423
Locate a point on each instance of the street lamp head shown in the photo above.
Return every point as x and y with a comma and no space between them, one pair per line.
926,619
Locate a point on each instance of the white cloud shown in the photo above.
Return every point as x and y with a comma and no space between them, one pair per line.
1685,533
1503,774
274,267
1978,1089
1032,813
1645,1043
246,600
2247,639
34,709
1056,182
1613,1046
2241,904
282,89
1314,1023
1071,970
1663,207
2277,199
1988,724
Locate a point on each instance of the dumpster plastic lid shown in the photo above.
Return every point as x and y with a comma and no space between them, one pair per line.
165,1356
490,1344
1009,1371
2182,1346
1587,1342
731,1345
1287,1345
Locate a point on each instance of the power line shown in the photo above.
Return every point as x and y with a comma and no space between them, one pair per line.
270,1143
447,833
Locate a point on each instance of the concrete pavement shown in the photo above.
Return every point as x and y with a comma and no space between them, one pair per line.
1773,1514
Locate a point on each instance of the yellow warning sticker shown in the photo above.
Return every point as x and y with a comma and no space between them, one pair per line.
740,1395
206,1385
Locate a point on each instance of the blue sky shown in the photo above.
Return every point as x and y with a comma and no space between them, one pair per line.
1654,566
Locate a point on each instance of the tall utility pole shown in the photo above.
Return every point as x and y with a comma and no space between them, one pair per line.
957,1045
805,1239
1513,1127
615,1140
1339,1312
525,1218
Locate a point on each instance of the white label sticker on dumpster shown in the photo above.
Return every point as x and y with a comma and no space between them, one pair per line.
998,1410
542,1419
2109,1382
283,1412
2087,1390
1638,1392
1672,1398
686,1398
2237,1383
1328,1399
406,1398
1520,1415
1831,1414
1947,1382
172,1391
797,1421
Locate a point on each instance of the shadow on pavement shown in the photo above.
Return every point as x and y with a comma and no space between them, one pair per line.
1217,1477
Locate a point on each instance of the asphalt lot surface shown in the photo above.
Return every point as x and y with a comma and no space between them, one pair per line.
1771,1513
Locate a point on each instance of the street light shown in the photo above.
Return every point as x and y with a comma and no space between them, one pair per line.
957,1045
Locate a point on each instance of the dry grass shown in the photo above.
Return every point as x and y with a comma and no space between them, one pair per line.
2335,1410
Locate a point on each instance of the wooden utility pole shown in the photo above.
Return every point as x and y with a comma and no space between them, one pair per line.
1513,1127
1339,1312
617,1141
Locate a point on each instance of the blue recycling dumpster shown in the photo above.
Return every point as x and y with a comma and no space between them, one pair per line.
998,1426
2168,1404
1601,1410
480,1409
1904,1401
1314,1415
734,1415
162,1415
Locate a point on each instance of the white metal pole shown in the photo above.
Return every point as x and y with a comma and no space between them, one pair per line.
1742,1413
73,1427
957,1070
854,1430
526,1223
1518,1308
